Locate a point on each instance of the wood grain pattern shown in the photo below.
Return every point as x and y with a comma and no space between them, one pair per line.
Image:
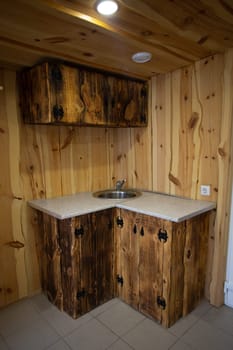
63,94
151,265
75,32
43,162
197,155
195,259
173,268
77,261
128,256
173,272
50,259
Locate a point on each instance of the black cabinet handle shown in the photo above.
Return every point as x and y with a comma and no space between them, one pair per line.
79,231
58,112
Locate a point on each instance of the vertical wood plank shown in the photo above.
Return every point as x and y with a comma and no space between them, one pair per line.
224,151
8,282
102,224
174,286
210,74
128,256
195,261
161,131
50,260
151,265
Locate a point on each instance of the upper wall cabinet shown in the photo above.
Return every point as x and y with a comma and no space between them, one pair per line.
57,93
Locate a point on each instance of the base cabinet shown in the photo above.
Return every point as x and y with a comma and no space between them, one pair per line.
156,266
77,268
160,264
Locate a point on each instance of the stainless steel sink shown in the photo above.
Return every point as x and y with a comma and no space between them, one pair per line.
115,194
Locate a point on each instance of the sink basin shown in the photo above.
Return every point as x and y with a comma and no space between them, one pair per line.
114,194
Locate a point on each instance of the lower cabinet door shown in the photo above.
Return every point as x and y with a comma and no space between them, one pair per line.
87,261
195,261
50,259
78,265
139,262
102,228
127,271
151,265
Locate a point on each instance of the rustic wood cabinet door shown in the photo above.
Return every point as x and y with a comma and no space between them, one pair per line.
150,265
87,261
140,262
195,261
102,227
67,94
78,267
50,259
127,257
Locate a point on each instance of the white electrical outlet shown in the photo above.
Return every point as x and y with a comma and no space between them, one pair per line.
205,190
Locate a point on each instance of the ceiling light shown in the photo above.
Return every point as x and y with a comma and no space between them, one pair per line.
142,57
107,7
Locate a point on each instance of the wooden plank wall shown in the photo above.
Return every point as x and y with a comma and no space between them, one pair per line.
192,114
187,143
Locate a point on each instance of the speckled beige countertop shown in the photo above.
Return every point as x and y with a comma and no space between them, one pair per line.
155,204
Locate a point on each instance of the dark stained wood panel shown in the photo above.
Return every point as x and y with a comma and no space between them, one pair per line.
161,265
64,94
151,265
50,259
195,260
128,256
102,223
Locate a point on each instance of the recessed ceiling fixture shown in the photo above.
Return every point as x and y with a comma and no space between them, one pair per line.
107,7
142,57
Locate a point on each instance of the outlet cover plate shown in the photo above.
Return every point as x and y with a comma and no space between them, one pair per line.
205,190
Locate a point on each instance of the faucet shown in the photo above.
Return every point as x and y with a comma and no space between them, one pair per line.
119,184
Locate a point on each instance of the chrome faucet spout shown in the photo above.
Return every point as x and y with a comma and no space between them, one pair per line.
119,184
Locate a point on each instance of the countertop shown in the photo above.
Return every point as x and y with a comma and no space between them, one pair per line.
155,204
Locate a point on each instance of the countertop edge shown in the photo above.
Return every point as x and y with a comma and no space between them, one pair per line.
98,205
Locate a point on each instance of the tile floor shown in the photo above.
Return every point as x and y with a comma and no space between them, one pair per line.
35,324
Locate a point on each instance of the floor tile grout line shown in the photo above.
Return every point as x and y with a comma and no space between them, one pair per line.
62,338
119,336
130,346
179,337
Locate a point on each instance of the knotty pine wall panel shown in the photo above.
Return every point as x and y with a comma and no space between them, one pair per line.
192,113
187,143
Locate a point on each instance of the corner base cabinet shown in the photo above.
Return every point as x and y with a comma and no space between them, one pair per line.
161,264
156,266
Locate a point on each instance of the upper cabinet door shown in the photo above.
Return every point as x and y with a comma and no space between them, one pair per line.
64,94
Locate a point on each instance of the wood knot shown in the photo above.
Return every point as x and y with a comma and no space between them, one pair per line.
174,180
138,138
56,40
193,120
69,271
221,152
203,39
88,54
15,244
147,33
188,21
